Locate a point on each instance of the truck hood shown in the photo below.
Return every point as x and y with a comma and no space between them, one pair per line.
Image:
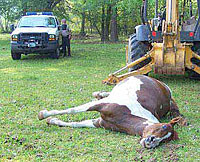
35,30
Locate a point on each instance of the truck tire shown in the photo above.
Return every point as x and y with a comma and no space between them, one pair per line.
15,56
56,54
137,49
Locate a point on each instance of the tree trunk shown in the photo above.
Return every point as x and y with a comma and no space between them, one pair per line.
114,32
103,24
91,24
91,27
126,29
108,18
82,33
6,25
1,25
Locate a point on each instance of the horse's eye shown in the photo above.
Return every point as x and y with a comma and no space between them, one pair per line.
164,127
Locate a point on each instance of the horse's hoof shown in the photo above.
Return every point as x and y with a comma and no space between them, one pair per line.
51,121
95,94
41,114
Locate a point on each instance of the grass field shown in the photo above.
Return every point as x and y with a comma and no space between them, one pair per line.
39,82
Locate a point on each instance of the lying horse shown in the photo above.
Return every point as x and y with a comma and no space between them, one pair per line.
134,106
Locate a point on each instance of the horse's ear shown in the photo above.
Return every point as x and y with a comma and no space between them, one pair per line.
175,120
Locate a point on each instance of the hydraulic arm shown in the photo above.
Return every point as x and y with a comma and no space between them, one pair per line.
171,56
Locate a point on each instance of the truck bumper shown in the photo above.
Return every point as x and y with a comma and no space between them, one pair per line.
40,49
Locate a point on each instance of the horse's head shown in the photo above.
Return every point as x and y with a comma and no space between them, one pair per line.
154,134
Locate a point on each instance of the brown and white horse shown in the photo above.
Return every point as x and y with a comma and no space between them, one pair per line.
134,106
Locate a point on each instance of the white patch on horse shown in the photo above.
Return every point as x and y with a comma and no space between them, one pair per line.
166,136
84,107
85,123
148,123
124,93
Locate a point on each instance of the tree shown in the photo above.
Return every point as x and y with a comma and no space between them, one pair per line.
103,23
83,15
9,12
114,31
108,18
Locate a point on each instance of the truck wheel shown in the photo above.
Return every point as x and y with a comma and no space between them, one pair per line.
15,56
137,49
56,54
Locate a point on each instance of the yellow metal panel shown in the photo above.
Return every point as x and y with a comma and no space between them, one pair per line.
158,54
171,11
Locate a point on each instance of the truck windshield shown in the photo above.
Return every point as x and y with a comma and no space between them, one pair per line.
37,22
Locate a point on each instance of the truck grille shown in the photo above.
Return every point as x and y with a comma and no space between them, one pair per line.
40,38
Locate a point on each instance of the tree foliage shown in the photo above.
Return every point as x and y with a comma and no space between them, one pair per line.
9,11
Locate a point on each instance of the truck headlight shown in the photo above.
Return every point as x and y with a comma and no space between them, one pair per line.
14,37
52,37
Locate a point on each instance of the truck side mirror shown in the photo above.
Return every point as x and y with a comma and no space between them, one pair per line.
12,27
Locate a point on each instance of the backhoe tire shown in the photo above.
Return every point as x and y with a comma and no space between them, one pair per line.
193,74
137,49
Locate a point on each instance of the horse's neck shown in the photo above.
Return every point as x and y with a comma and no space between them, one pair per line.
139,124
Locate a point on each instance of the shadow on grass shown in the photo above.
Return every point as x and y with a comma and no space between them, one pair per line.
174,78
36,57
77,54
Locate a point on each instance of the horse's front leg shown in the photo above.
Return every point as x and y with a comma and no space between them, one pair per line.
93,123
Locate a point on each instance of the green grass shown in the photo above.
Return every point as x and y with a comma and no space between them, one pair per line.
39,82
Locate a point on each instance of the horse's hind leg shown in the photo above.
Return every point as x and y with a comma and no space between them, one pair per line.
82,108
174,112
93,123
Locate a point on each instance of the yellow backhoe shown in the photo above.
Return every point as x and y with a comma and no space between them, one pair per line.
168,44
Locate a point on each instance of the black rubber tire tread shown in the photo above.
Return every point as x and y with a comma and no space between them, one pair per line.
137,49
193,74
56,54
15,56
